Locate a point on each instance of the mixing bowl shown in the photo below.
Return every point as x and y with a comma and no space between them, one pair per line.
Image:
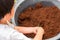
19,7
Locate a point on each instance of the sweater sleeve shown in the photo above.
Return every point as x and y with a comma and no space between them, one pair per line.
18,36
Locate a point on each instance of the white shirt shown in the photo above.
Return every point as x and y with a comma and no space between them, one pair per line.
8,33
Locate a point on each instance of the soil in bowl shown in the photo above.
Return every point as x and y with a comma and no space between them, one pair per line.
47,17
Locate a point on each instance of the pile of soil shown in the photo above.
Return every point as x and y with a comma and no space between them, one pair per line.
47,17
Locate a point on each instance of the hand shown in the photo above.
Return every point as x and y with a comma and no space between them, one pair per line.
35,29
39,35
40,30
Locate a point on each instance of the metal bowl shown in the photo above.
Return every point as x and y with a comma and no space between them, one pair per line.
25,3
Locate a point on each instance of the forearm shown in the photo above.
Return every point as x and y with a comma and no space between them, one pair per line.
24,30
38,36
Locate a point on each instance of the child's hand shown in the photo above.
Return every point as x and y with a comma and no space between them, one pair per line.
35,29
40,31
39,34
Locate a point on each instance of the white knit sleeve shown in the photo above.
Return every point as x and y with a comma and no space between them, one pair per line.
18,36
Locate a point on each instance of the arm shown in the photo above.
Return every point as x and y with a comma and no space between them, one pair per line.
26,30
39,34
15,35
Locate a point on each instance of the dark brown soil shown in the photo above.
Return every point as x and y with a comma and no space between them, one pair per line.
47,17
